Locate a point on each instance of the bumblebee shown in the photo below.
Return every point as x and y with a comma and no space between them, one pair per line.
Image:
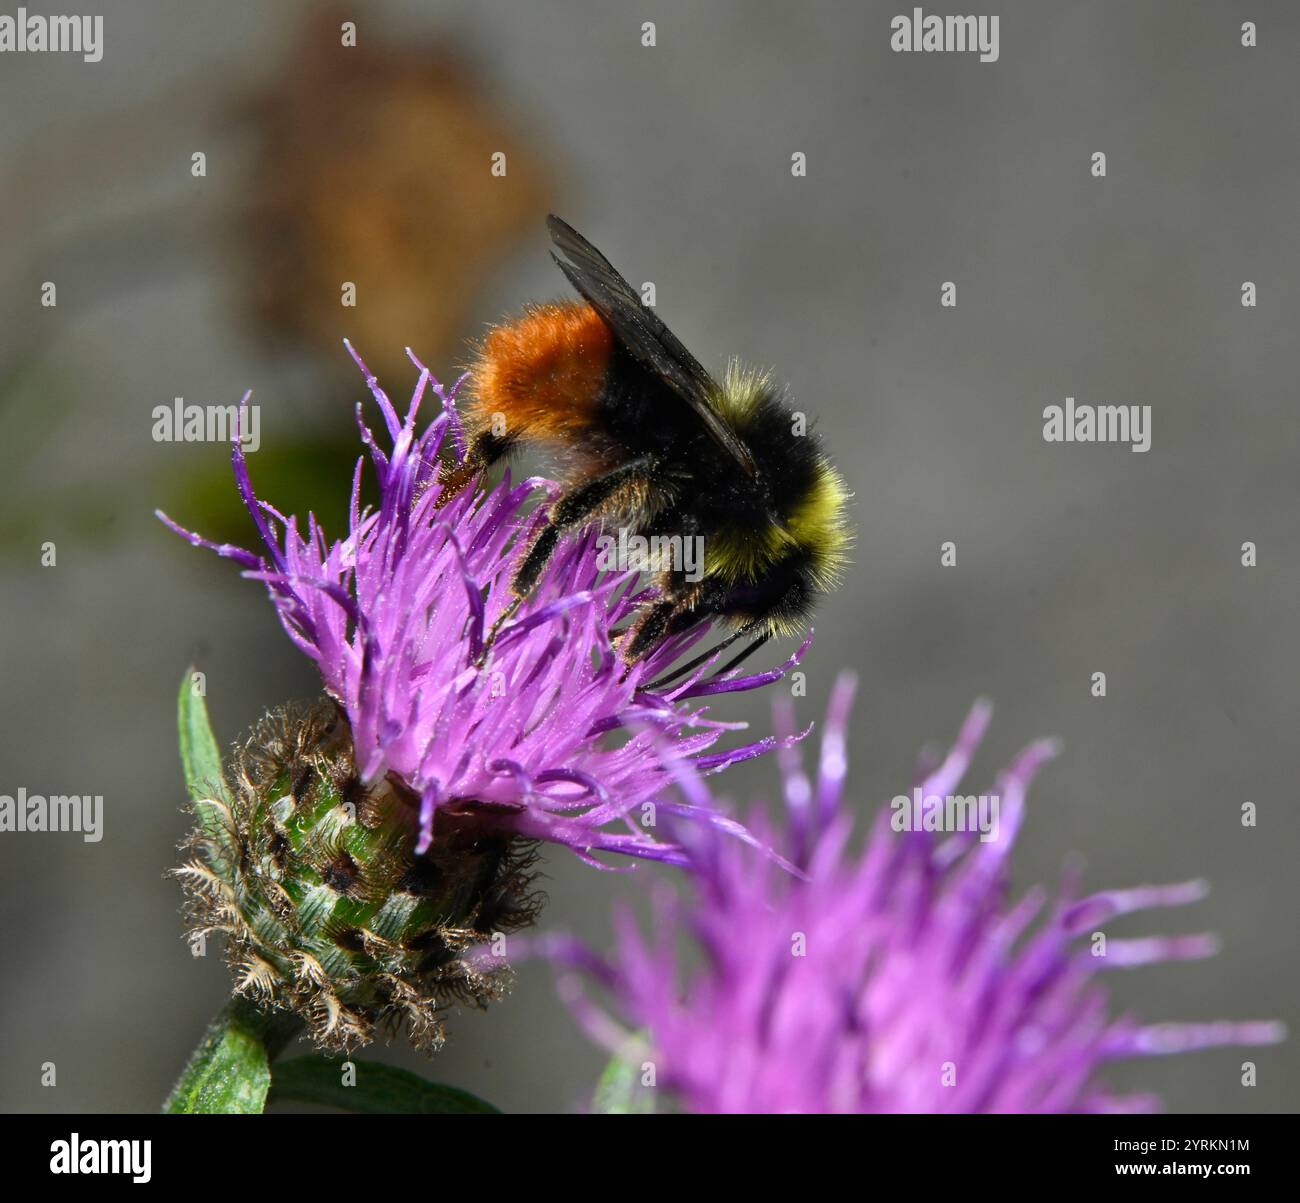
648,441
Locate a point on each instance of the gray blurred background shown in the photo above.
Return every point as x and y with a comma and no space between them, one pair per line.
676,161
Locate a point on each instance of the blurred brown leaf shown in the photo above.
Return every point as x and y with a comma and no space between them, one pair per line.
374,167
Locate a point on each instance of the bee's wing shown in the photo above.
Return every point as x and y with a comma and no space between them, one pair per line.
639,329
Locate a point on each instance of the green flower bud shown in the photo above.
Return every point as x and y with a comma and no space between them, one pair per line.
327,910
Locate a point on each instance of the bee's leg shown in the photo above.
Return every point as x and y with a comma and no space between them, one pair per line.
682,669
682,603
455,479
737,661
651,627
574,509
485,449
512,608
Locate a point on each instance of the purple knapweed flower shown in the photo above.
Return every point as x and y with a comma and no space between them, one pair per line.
549,736
899,979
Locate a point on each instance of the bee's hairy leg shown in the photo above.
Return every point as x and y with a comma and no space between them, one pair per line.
454,481
512,608
574,509
648,630
539,555
485,449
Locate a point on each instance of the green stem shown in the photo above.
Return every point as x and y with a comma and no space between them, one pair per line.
230,1070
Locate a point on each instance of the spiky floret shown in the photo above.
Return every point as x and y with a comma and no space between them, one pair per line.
548,729
901,975
326,909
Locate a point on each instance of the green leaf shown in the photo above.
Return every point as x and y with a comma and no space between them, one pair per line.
229,1072
620,1092
379,1089
201,762
200,755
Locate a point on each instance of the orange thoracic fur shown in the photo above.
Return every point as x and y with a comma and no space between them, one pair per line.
542,373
